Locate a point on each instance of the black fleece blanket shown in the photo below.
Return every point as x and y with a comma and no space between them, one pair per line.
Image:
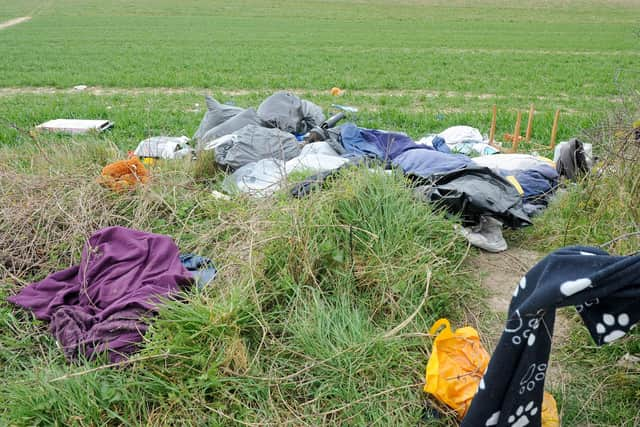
604,289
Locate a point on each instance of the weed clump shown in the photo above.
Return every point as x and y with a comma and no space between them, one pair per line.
600,208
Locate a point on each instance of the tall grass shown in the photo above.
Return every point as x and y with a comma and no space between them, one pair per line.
601,208
319,314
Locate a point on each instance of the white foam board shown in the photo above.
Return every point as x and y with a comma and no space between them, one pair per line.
75,125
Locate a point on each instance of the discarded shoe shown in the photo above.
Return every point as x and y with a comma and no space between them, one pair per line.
486,235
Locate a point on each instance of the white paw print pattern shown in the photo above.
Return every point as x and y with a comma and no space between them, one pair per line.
515,324
535,373
521,417
608,325
581,307
521,285
572,287
493,420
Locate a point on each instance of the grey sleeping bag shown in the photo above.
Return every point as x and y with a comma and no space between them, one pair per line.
253,143
287,112
247,117
216,114
473,192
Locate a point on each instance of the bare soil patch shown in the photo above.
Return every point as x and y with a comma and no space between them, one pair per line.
12,22
426,93
499,274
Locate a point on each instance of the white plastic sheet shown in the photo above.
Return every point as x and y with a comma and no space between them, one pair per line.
164,147
462,139
266,176
512,161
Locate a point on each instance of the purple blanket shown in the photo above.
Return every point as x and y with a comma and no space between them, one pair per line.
100,305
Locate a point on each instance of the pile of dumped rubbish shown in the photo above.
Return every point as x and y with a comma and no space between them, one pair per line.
103,305
457,169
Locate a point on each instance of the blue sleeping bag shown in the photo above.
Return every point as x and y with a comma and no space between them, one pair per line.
536,183
374,143
423,161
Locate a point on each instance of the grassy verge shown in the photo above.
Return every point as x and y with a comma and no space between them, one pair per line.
302,325
318,315
597,387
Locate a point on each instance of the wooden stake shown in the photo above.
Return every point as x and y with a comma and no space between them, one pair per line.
554,129
492,132
527,138
516,133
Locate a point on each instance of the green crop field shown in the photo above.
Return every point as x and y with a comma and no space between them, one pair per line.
423,59
302,325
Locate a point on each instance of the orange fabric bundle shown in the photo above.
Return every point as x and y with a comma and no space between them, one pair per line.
124,174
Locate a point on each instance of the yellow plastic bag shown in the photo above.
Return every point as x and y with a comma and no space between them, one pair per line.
457,363
549,414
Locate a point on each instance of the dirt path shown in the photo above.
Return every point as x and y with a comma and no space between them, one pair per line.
12,22
499,274
499,51
136,91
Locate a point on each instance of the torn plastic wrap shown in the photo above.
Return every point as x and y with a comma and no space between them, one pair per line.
266,176
216,114
253,143
257,179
